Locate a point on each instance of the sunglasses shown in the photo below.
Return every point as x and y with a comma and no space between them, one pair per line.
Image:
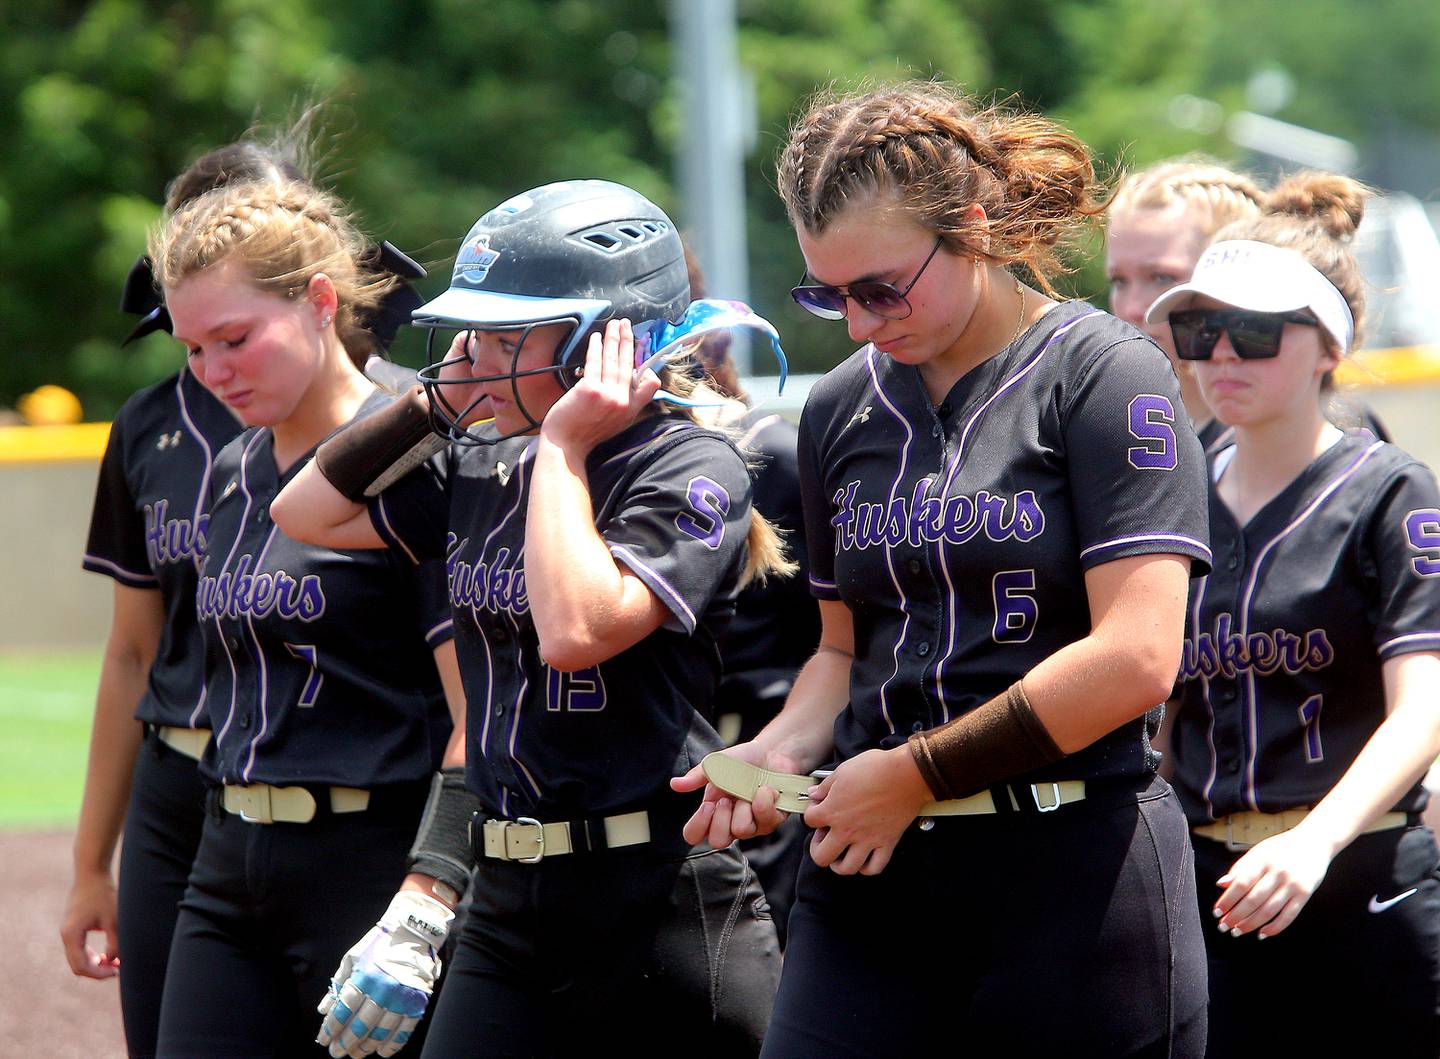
880,299
1253,335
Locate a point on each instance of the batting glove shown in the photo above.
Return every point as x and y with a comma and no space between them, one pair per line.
382,986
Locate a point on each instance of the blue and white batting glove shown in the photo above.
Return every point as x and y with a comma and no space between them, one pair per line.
382,986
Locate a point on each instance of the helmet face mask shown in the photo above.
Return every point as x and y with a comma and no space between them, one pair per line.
579,252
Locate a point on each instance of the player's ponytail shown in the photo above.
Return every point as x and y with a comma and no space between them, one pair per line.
284,232
935,153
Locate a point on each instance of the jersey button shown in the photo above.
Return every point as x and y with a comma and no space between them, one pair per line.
1233,563
913,565
917,726
232,643
936,430
922,648
499,709
245,720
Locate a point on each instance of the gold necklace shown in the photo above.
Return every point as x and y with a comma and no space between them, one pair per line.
1019,320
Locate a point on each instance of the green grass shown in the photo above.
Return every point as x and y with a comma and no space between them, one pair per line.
46,703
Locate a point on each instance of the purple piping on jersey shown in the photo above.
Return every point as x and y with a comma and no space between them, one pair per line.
955,462
1169,538
437,630
1432,639
264,725
390,530
519,714
676,601
632,450
890,406
756,427
220,629
489,697
97,565
1252,713
195,433
1214,772
821,583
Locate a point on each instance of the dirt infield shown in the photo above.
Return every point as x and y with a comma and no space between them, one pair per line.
47,1011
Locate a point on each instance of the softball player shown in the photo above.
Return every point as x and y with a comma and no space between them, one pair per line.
1003,501
1307,718
147,532
1157,225
321,686
595,544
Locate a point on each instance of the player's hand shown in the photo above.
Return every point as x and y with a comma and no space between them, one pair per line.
608,396
722,818
91,907
1266,888
860,811
384,983
458,364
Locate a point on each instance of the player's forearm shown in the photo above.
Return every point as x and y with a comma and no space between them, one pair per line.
311,510
1392,761
1127,663
585,610
804,729
114,742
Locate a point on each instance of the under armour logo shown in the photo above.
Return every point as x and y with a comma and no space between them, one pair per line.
862,416
502,472
168,441
229,489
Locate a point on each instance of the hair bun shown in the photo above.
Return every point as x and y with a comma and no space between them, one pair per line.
1334,203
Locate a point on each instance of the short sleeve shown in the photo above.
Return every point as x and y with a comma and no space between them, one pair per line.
1136,469
116,544
682,523
433,596
819,530
412,516
1402,560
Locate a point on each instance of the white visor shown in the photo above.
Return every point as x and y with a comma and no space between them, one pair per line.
1262,278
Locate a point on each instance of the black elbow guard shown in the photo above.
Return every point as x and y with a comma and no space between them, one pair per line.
442,845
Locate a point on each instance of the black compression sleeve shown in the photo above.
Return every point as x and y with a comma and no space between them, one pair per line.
442,845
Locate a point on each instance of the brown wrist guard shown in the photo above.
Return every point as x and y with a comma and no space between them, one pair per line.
996,741
377,451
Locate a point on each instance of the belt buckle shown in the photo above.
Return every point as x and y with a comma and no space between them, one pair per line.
539,830
258,796
1035,793
1233,844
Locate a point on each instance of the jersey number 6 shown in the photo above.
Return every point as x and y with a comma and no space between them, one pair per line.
1016,612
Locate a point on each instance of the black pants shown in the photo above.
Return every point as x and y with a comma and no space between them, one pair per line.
269,911
1069,933
1342,979
162,832
624,949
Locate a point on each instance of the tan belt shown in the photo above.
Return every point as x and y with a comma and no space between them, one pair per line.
188,741
529,841
260,803
742,779
1243,830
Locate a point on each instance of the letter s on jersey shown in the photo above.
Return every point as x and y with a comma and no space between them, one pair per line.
1422,530
1152,421
709,504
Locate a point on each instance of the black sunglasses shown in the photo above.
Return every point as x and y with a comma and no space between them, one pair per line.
881,299
1253,335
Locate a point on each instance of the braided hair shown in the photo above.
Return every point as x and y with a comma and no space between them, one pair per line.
934,153
1210,195
284,232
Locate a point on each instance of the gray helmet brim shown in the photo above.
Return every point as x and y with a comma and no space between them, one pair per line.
461,308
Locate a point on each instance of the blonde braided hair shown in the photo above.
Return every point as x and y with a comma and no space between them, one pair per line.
935,153
1211,195
284,232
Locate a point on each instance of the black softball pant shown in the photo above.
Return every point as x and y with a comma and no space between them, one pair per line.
624,949
268,914
163,822
1357,973
1067,933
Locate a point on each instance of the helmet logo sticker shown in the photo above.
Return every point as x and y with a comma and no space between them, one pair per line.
475,260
